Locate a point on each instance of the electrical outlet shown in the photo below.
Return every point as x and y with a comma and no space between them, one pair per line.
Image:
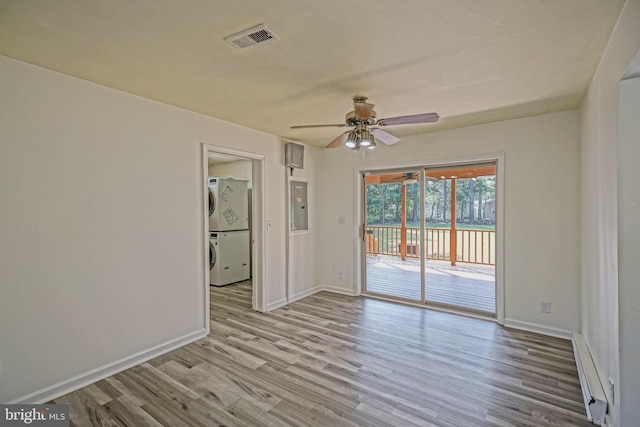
545,307
340,275
341,220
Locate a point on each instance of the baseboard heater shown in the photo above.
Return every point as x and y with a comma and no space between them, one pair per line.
595,401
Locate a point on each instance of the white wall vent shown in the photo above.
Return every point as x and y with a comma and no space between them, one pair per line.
595,400
252,37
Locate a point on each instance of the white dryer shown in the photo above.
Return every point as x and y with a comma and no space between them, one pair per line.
228,204
228,257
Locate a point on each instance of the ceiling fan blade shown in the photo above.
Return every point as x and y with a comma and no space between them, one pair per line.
363,110
338,141
384,137
406,120
341,125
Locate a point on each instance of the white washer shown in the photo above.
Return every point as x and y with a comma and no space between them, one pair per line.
228,204
228,257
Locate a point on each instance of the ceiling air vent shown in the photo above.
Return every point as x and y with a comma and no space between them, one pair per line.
252,37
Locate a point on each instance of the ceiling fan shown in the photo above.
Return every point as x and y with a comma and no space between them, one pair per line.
394,178
408,178
363,116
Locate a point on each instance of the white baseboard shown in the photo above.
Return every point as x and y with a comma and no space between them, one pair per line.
320,288
537,328
72,384
595,399
337,290
295,297
303,294
277,304
307,292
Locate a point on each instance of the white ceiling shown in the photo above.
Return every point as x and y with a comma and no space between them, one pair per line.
472,61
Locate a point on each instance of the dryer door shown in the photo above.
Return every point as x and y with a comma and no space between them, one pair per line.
212,202
212,256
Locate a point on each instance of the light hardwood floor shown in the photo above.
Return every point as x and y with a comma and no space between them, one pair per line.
333,360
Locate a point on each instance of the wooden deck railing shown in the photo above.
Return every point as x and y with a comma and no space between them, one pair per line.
473,246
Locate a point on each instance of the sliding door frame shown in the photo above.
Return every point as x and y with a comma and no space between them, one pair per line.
363,215
499,160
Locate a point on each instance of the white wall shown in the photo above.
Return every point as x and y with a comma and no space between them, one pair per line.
541,227
101,252
240,169
599,228
303,246
629,249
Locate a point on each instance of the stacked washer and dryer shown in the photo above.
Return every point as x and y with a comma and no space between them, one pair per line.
229,245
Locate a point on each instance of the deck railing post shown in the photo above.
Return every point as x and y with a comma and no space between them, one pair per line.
453,234
403,224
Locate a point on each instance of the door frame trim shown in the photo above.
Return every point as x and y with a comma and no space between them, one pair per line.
258,252
499,159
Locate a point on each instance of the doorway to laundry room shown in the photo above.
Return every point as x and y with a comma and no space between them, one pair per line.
231,253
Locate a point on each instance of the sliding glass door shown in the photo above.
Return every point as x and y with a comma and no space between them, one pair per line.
460,237
429,236
392,234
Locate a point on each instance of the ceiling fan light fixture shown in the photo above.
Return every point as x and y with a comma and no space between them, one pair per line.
365,138
352,140
372,146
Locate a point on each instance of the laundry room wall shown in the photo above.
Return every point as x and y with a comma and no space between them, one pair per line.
102,259
240,169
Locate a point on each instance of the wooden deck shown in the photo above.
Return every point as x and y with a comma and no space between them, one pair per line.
467,286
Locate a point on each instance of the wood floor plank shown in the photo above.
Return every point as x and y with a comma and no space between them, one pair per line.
84,410
130,414
334,360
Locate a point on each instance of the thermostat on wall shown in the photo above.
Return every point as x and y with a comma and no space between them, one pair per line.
294,155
